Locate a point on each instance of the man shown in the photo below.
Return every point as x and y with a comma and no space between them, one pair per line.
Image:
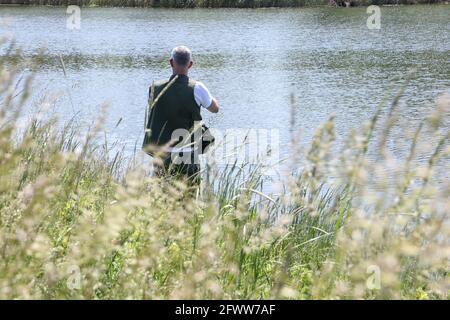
175,107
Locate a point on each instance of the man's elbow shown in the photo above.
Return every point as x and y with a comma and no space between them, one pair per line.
214,107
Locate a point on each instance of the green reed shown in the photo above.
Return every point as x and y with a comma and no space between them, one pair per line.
219,3
75,224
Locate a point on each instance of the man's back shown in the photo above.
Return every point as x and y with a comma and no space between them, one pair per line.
176,109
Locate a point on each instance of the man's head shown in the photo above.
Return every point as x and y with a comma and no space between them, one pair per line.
181,60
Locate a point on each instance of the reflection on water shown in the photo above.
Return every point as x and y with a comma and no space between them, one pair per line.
252,60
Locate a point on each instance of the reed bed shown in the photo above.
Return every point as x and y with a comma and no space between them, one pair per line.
75,225
217,3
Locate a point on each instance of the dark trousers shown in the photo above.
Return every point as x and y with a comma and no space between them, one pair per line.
189,171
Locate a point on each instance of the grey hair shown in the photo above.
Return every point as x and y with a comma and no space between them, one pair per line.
181,55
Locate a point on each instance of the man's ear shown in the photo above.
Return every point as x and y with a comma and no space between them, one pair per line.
171,62
190,64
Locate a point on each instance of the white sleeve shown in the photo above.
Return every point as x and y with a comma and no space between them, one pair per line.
202,95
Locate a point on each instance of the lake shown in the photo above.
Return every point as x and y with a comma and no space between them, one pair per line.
251,60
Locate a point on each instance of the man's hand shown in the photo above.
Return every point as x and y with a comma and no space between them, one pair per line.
214,107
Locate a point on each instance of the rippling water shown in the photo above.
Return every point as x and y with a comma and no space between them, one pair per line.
252,60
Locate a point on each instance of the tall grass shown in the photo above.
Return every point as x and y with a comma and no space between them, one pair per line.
216,3
72,225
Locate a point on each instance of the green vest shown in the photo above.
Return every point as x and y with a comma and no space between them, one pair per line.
175,109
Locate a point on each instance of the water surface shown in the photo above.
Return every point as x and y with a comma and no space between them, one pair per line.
252,60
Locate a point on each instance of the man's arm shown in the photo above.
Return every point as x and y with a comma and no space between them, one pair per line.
204,98
214,107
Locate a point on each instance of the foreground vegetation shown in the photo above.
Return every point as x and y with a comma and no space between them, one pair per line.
76,223
218,3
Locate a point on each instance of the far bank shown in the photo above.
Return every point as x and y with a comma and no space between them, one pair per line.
219,3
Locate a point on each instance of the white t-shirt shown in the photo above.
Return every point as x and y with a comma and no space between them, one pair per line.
202,95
